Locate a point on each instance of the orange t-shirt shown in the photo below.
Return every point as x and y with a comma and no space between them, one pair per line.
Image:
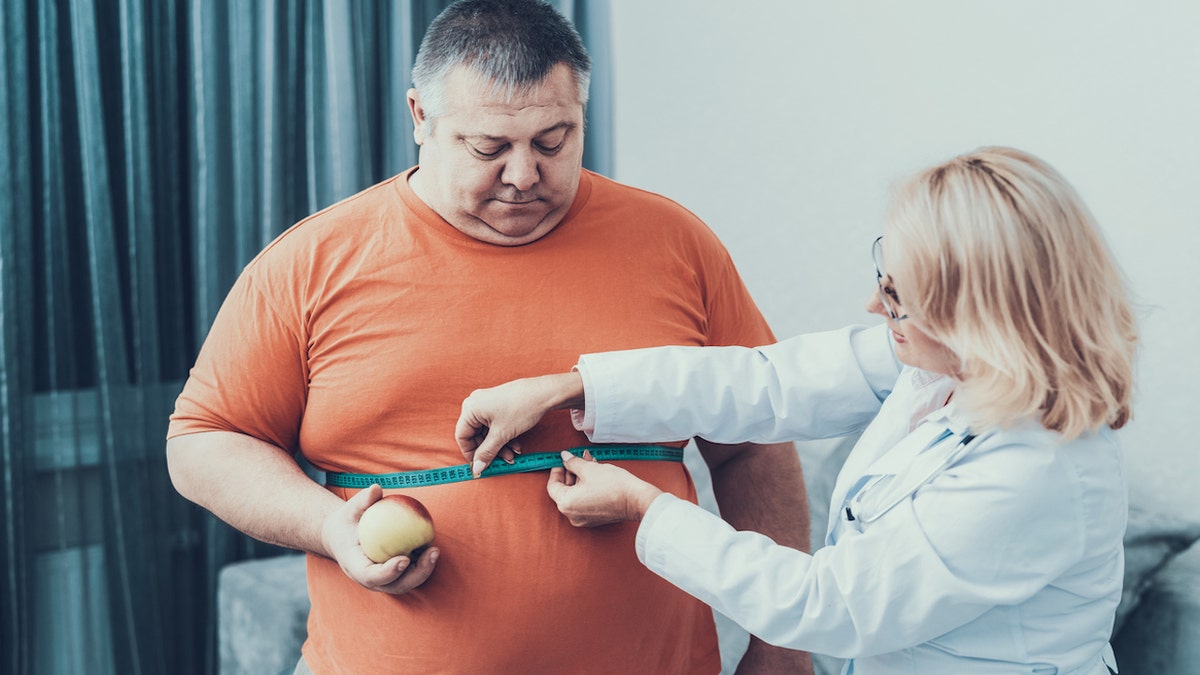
354,338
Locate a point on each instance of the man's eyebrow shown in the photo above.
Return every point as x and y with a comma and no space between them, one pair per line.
568,126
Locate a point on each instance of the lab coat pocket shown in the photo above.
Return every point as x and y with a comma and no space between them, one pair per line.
865,498
879,493
898,474
864,504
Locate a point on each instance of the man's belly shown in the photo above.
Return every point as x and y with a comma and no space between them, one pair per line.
516,589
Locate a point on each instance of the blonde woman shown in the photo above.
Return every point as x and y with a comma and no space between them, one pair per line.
977,525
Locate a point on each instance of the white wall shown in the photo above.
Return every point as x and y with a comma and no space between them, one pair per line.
783,124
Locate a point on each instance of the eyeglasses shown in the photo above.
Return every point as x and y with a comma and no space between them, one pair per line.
887,294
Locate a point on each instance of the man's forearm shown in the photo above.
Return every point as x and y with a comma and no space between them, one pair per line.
761,488
252,485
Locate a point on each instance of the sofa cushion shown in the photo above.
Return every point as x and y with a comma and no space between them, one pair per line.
1152,539
262,608
1162,633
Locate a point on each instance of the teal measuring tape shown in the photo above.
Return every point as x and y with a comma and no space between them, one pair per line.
521,464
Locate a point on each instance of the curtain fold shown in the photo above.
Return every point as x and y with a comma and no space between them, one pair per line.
148,150
16,335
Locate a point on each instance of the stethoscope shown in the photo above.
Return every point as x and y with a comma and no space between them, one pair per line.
856,502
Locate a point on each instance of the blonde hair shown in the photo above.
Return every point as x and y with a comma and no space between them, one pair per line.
1004,264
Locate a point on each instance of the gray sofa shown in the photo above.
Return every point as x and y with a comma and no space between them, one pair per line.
263,604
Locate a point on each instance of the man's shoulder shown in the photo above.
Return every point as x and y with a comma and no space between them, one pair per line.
611,199
381,196
606,188
340,224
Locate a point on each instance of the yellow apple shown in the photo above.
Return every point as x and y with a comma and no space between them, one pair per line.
395,525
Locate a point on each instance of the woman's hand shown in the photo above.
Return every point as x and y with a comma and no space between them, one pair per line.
492,418
589,493
397,575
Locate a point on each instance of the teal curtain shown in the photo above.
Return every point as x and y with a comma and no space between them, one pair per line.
148,150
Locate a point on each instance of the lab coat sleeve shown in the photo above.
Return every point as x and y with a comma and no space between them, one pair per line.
812,386
965,544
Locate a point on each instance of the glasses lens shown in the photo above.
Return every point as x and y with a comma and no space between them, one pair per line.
887,303
887,296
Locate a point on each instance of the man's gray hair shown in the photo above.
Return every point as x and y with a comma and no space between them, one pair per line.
513,44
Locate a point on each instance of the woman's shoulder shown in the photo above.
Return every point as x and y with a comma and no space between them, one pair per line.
1026,488
1029,436
1083,476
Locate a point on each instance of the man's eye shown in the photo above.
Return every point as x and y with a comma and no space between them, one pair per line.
485,153
551,143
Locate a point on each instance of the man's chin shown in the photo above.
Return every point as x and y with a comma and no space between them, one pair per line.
511,232
517,236
528,225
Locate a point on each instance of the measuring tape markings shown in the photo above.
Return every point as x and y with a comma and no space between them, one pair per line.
521,464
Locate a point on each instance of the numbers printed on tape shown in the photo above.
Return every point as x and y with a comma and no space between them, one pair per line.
521,464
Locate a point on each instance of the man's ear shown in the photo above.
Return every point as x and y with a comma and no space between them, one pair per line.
420,121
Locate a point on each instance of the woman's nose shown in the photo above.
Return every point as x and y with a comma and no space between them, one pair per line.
874,304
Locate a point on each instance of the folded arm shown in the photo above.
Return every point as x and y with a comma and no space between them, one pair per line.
259,489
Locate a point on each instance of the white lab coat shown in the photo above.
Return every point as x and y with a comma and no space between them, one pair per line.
950,550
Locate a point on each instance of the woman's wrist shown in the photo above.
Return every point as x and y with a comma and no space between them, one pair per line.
566,390
641,499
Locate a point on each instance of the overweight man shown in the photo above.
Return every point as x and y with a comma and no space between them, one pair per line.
353,338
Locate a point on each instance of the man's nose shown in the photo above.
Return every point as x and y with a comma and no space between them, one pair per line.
521,170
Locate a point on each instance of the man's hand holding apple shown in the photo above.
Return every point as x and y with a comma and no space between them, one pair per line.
397,574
